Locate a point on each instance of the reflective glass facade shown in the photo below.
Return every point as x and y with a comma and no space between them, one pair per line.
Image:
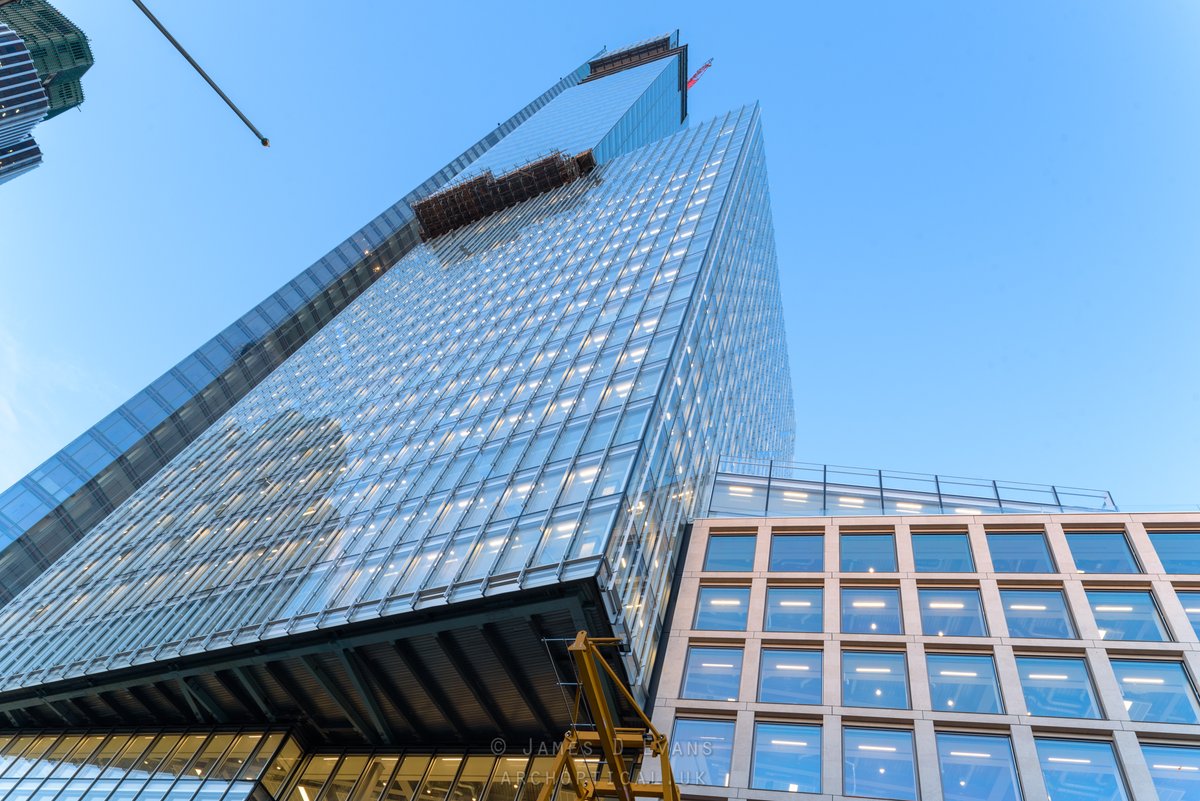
534,398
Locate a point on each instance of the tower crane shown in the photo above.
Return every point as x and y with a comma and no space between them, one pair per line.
696,75
163,30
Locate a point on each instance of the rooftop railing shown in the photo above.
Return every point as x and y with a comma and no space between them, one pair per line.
768,488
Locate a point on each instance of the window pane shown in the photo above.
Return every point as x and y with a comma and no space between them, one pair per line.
880,764
876,679
1157,691
790,677
730,552
787,757
712,673
1175,771
868,553
964,683
1037,613
952,613
1057,687
798,552
871,611
1179,551
942,553
1126,616
1077,770
1019,552
794,609
701,751
722,608
1101,552
1191,605
977,766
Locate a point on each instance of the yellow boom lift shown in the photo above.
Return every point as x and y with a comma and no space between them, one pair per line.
622,749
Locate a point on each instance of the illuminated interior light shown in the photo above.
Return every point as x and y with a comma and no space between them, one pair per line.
1175,767
945,605
909,507
795,603
1027,607
725,602
792,667
966,510
869,604
1048,676
872,670
971,754
965,674
1070,760
886,748
1141,680
715,665
795,496
796,743
1114,608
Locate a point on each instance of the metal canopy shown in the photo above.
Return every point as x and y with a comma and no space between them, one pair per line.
460,677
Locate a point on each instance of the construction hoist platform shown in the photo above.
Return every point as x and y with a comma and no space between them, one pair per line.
621,748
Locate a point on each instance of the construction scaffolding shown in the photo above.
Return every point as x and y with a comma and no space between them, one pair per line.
476,198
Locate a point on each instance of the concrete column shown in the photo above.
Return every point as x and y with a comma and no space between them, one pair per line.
832,602
831,754
918,677
751,660
831,674
1133,765
1028,766
1108,691
833,550
1172,610
929,773
743,750
1081,610
1059,550
910,607
979,550
905,563
1143,548
1009,680
762,550
993,608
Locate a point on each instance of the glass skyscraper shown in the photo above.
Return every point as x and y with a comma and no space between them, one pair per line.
493,439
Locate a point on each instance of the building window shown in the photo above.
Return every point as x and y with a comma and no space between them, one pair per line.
868,553
730,552
789,677
1058,687
1126,616
942,553
1174,769
701,751
1101,552
798,553
1019,552
794,609
976,766
722,608
952,613
964,683
712,674
1156,691
1080,770
876,679
879,763
787,757
1179,551
1037,614
1191,605
871,611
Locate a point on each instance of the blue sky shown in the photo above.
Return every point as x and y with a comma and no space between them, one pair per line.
986,212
